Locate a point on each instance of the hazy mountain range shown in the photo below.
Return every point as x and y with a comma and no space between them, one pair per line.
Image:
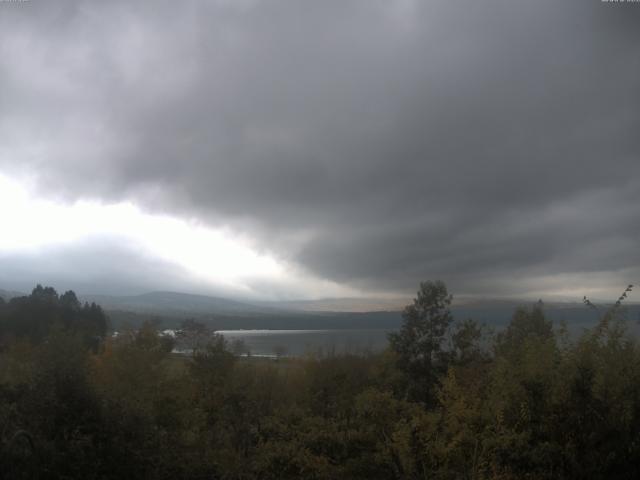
170,308
7,294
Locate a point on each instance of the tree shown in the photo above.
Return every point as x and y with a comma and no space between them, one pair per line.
526,325
466,342
70,300
34,316
193,336
418,344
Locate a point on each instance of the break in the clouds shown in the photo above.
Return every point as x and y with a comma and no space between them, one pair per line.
365,145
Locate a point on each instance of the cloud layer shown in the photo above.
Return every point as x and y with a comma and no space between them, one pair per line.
493,144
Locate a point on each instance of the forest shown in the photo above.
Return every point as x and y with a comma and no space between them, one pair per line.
446,400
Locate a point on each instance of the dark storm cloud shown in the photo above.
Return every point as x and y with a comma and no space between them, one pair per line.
374,143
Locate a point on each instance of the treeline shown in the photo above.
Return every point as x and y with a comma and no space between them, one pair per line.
444,401
33,317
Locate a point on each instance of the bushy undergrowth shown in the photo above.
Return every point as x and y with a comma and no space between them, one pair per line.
443,401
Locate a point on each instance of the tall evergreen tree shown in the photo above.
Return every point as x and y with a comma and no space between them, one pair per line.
418,344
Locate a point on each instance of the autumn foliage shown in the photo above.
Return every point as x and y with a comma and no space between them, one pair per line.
446,400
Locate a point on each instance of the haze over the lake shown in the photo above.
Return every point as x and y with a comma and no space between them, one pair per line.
291,149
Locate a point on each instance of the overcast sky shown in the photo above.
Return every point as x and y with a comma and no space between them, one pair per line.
306,149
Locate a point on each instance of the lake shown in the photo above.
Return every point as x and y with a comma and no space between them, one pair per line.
301,342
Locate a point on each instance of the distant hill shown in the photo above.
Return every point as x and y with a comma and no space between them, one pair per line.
341,305
170,308
8,294
175,303
269,321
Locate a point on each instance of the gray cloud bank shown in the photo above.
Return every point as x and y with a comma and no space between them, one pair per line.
493,144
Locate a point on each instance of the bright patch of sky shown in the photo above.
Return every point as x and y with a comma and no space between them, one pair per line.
216,256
